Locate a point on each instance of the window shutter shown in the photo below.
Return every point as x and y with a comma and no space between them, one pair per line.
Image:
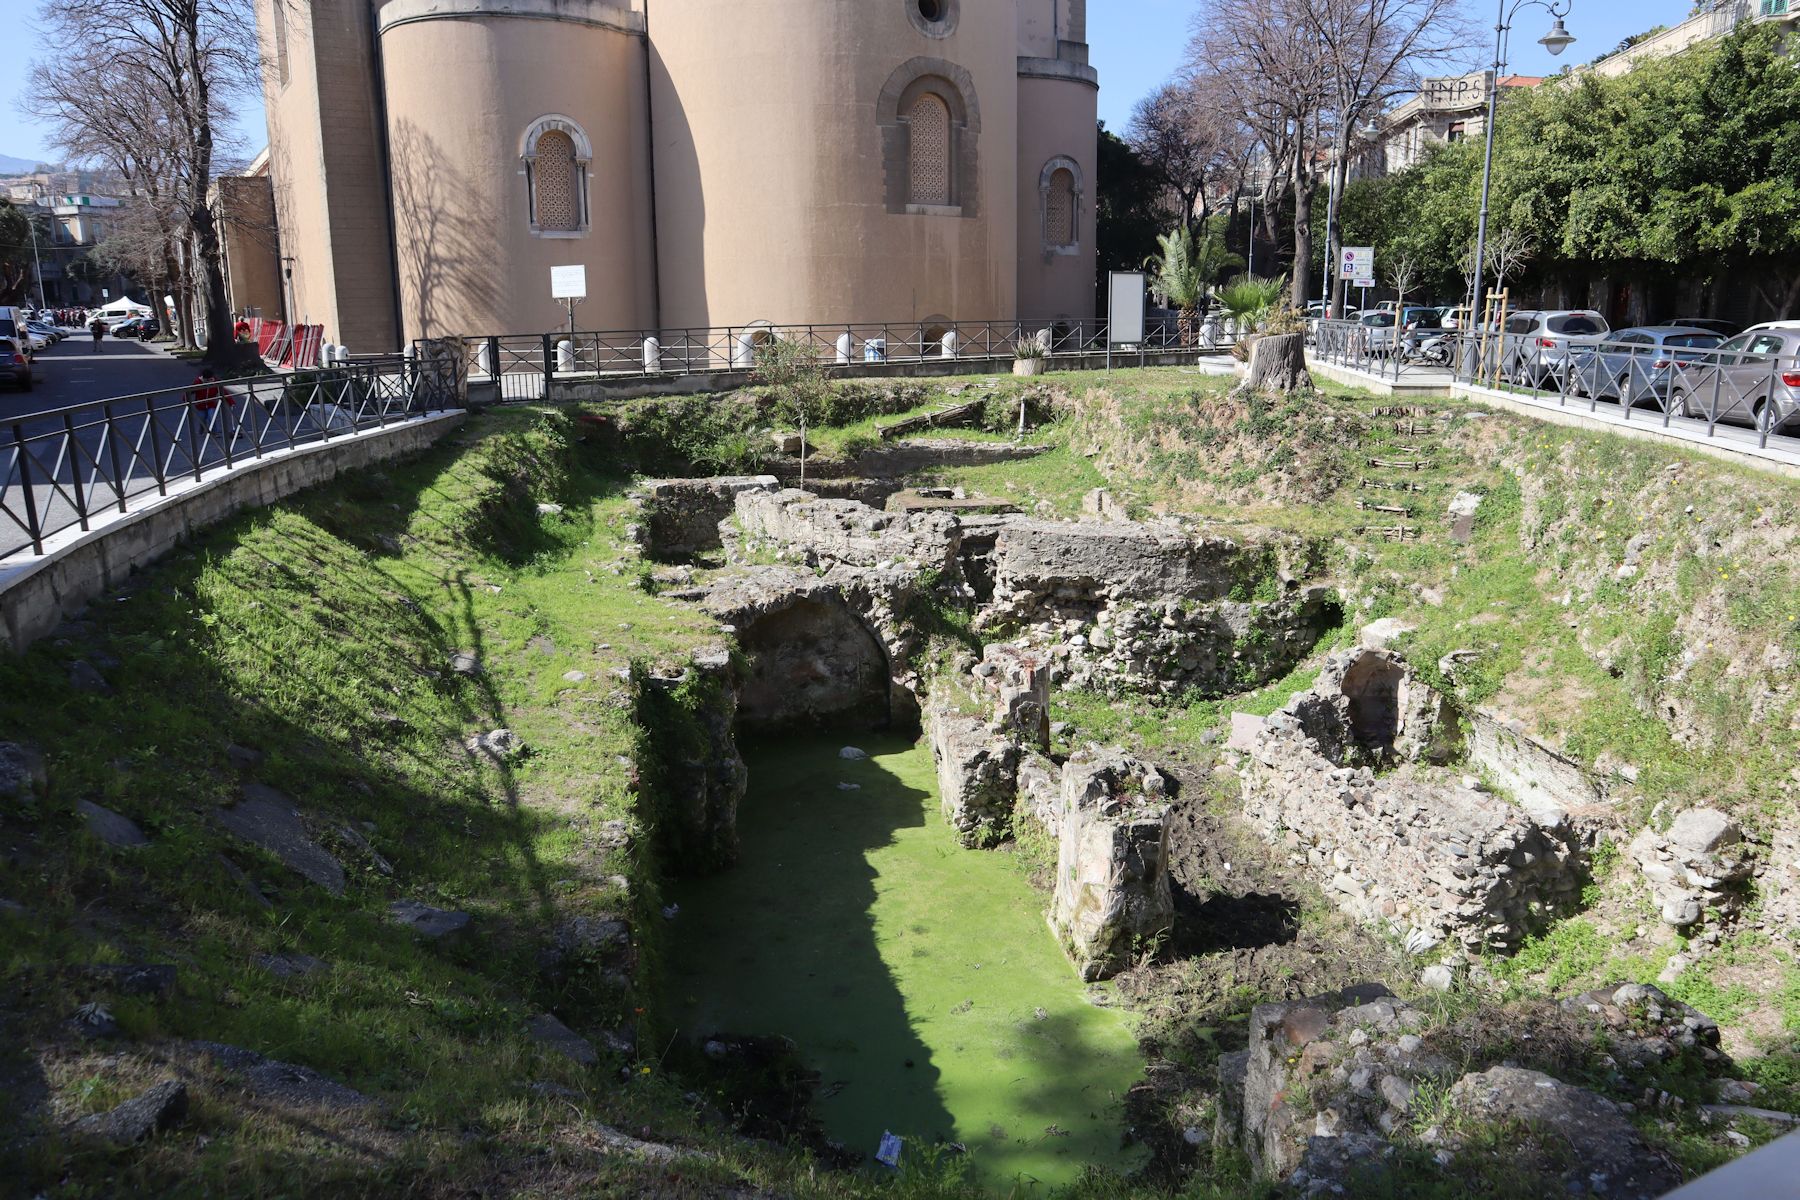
929,158
1059,209
558,200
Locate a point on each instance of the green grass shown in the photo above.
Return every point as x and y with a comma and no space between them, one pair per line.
917,977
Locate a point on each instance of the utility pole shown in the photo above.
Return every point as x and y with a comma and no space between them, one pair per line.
37,264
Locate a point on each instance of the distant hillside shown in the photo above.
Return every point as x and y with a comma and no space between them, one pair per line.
16,166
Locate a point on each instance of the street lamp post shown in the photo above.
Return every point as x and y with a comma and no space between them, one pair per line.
1556,41
36,263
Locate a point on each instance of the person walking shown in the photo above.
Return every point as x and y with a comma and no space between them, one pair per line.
98,328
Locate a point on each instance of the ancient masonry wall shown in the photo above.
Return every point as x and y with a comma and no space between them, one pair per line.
1417,848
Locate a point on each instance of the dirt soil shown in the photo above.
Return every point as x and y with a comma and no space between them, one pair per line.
1249,930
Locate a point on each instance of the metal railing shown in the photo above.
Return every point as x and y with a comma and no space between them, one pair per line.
65,467
1386,353
1757,391
525,366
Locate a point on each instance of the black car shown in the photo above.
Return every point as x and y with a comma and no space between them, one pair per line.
142,328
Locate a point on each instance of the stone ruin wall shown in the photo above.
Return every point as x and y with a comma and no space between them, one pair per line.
1417,848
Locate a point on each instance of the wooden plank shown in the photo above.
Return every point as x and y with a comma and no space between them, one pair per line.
936,419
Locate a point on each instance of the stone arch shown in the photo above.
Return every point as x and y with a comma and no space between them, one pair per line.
557,154
906,91
813,664
1372,691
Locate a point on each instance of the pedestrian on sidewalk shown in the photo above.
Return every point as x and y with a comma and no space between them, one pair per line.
98,329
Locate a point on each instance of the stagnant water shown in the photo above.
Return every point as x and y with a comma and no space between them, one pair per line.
917,977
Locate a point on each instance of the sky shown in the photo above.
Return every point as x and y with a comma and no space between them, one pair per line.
1135,45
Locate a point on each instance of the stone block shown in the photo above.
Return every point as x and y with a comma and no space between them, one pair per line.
1112,900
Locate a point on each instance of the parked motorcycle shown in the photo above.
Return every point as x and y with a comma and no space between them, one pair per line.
1427,347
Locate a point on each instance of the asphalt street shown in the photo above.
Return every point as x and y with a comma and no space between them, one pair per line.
71,373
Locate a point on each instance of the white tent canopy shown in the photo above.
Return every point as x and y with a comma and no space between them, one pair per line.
124,306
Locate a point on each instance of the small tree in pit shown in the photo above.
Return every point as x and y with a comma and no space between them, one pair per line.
800,394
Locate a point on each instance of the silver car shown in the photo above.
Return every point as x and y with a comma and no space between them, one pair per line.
1538,342
1753,377
1637,363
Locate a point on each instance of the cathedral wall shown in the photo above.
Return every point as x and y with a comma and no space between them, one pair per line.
782,160
471,85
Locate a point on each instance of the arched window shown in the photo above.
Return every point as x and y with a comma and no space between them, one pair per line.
556,154
930,127
928,153
1059,203
1059,209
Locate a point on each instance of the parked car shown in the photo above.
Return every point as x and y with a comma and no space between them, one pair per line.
142,328
16,364
1638,364
45,330
1454,316
1724,329
1379,330
1539,341
1753,374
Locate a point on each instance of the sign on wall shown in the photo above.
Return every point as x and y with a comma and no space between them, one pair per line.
568,283
1125,308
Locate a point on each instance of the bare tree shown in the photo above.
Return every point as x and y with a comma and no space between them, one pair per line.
1509,249
1265,58
1371,52
1187,133
192,56
1403,275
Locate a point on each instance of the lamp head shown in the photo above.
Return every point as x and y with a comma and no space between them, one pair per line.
1557,39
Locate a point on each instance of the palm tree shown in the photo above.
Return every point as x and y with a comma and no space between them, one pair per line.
1248,299
1176,274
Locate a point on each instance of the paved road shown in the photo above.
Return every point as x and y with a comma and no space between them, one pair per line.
71,373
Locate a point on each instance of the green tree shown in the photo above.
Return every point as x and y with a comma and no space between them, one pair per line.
1128,208
15,252
800,392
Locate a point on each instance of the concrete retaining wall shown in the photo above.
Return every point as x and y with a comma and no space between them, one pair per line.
38,594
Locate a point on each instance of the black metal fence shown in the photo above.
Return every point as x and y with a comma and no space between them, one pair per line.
1751,381
525,366
66,466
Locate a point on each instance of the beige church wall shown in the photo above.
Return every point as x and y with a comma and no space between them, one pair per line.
327,166
1056,119
1044,24
774,179
463,88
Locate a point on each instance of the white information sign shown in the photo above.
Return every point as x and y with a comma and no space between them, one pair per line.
1125,308
1363,283
1359,263
568,283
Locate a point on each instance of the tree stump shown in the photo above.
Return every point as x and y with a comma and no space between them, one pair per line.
1278,365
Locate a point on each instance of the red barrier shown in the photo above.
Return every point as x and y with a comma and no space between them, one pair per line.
303,350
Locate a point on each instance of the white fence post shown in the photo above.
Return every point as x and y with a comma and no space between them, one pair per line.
949,345
843,349
652,356
565,357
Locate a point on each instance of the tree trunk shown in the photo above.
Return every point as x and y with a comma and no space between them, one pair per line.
1278,365
1302,279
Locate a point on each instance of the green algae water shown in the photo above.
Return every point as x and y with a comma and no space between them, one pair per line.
917,977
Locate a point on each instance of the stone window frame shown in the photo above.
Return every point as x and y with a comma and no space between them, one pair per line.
956,88
1061,162
943,27
584,157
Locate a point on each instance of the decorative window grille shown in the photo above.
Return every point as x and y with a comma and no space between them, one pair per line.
928,161
1059,209
557,199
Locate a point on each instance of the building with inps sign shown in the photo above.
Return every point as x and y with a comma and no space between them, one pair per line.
709,162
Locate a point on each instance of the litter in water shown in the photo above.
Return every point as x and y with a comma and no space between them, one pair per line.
852,752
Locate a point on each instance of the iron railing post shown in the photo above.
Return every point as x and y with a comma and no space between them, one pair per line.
549,365
156,451
32,525
111,433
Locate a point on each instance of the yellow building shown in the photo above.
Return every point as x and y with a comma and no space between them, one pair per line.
710,162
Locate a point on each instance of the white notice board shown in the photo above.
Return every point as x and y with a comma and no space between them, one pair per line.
1125,308
1358,262
568,283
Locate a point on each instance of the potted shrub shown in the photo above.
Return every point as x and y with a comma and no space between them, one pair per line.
1029,357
